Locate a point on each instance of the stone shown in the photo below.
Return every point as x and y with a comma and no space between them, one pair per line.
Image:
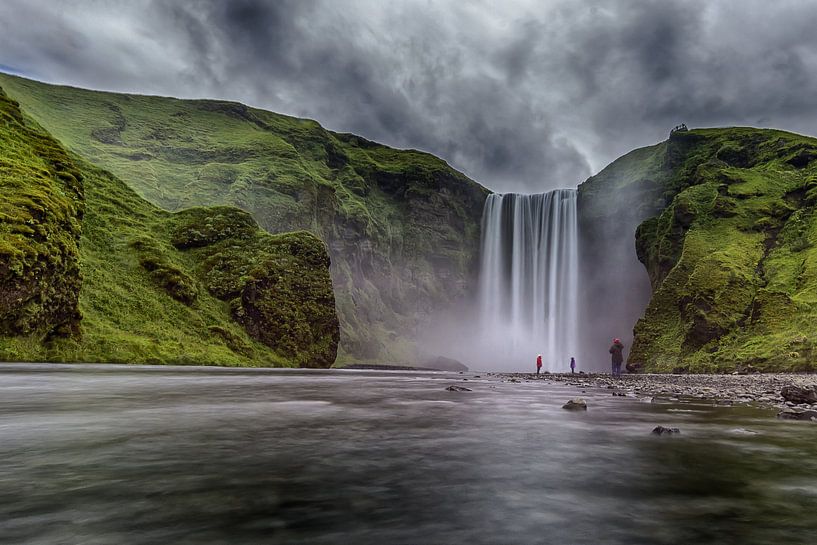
661,430
454,388
575,404
797,414
798,394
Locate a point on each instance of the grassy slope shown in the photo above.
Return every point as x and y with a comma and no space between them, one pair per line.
732,258
142,300
395,221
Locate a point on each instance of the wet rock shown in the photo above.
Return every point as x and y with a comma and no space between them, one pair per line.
575,404
797,414
661,430
619,394
454,388
797,394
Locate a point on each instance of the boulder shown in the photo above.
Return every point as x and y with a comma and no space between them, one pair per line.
575,404
798,394
454,388
661,430
790,413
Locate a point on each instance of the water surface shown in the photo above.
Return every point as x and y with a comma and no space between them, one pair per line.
113,454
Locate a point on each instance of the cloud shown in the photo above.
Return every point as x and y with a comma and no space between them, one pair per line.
525,96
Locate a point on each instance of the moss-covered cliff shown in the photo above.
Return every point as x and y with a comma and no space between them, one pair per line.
40,224
89,271
402,227
732,259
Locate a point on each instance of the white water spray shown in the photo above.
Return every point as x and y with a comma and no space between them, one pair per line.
529,280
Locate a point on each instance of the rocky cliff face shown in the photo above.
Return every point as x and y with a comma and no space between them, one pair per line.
91,272
402,227
614,288
728,245
732,258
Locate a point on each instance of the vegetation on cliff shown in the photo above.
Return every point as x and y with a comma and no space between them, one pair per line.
732,257
402,227
92,272
40,224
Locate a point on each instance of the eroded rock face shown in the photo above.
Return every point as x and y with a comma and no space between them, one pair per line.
41,207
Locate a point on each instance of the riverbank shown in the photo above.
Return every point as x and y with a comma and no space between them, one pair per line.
757,389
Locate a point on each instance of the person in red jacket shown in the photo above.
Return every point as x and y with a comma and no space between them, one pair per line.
617,357
538,363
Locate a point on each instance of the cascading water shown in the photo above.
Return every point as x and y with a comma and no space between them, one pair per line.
529,279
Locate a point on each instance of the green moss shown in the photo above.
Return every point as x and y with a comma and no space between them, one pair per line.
40,225
278,287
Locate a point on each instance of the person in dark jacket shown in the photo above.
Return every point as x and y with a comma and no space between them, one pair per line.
572,365
617,358
538,363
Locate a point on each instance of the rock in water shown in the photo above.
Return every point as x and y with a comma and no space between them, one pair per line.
797,394
454,388
445,364
661,430
575,404
797,414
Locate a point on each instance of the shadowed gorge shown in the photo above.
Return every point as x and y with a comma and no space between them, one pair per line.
402,227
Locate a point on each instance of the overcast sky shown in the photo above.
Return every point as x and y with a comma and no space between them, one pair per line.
520,95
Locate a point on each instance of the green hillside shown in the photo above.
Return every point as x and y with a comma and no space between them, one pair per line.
91,272
731,257
402,227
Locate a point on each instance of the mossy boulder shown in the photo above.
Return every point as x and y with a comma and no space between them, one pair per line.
278,286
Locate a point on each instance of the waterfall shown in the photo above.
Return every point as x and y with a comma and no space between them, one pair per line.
529,279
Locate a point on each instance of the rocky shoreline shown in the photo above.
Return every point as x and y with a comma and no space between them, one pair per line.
755,389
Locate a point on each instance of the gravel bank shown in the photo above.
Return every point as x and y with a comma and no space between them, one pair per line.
760,389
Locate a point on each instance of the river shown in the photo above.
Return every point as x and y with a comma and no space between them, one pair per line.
157,455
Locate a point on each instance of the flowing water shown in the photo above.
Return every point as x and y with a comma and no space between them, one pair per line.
117,454
529,279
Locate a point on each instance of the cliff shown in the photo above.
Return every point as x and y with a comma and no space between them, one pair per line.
727,242
91,272
401,226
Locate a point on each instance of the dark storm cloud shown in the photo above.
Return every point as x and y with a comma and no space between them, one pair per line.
523,95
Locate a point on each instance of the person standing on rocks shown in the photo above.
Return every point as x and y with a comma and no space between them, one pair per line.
618,358
572,365
538,363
